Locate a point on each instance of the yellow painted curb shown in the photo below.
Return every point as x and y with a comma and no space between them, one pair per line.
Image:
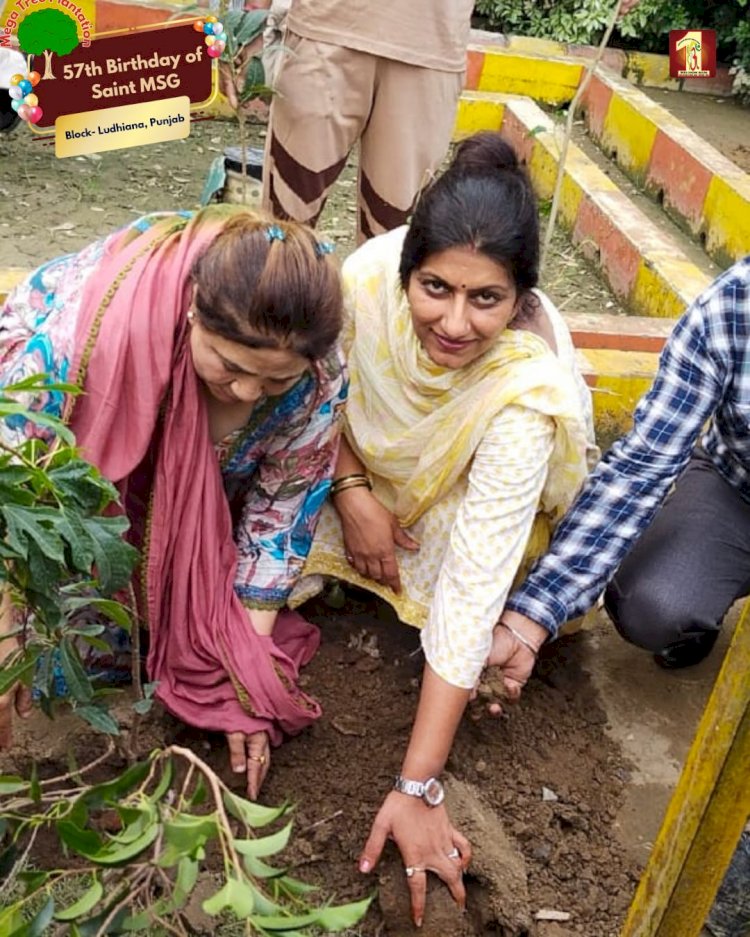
631,133
553,81
726,213
618,380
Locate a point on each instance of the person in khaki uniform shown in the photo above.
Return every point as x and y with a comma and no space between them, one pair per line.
387,75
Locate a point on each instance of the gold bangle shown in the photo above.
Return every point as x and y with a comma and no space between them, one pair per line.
354,483
344,481
345,478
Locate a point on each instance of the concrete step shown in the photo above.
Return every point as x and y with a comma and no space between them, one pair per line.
702,190
647,270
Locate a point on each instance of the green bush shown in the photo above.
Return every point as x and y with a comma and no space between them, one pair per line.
645,28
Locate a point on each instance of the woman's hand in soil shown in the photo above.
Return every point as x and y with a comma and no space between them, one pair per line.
371,533
251,755
18,699
515,643
427,841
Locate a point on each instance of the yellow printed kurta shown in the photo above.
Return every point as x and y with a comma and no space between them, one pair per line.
477,463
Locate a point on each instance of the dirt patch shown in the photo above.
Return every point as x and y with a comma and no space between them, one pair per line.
536,791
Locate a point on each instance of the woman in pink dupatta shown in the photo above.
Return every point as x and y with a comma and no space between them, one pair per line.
206,349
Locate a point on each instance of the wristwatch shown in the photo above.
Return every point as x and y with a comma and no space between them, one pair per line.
431,791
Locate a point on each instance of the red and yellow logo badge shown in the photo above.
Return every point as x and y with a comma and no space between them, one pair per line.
692,53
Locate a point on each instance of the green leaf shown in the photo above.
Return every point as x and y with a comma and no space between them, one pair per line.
266,845
164,781
83,842
200,793
135,822
99,719
187,876
254,815
115,853
9,676
11,918
186,833
339,917
250,27
71,529
216,903
235,895
78,482
255,76
85,903
114,557
37,926
293,886
110,793
256,868
113,610
142,706
78,681
12,784
25,525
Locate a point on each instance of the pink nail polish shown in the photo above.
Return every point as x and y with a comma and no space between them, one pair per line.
364,866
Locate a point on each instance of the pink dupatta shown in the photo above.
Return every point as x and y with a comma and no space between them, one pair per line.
133,360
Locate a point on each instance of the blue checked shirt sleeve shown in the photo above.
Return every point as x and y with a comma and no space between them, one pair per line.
623,492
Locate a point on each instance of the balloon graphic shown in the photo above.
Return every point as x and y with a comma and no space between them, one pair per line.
210,40
208,29
214,51
210,19
16,105
34,78
35,115
23,111
219,46
222,37
25,86
218,28
31,99
198,26
16,79
15,92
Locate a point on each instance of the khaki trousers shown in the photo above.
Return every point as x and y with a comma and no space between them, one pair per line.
328,98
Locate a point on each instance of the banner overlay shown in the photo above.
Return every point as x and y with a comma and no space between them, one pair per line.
115,128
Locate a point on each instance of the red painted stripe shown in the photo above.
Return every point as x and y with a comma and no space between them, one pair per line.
474,66
602,242
595,102
678,178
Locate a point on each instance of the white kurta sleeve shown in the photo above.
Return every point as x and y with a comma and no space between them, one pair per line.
487,543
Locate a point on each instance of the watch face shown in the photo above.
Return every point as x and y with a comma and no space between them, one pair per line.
433,792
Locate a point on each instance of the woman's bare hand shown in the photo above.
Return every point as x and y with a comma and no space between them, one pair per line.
250,754
371,534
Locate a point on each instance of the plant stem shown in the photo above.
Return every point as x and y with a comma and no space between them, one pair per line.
569,132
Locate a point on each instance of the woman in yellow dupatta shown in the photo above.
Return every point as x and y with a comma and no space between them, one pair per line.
466,438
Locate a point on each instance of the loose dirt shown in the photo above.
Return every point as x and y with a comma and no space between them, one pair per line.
536,791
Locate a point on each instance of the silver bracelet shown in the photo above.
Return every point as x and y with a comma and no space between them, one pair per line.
519,637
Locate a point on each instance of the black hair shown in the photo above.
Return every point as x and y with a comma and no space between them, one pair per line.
483,200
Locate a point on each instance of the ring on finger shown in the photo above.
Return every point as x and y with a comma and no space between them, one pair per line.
349,558
454,854
261,759
412,870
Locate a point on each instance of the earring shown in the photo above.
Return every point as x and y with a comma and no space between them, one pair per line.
190,315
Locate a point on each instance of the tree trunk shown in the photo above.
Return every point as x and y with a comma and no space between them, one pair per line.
29,62
47,64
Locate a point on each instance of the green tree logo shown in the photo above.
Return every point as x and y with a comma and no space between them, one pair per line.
46,32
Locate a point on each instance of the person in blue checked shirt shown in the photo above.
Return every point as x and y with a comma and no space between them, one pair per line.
677,557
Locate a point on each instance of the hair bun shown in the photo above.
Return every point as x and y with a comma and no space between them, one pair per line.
485,151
